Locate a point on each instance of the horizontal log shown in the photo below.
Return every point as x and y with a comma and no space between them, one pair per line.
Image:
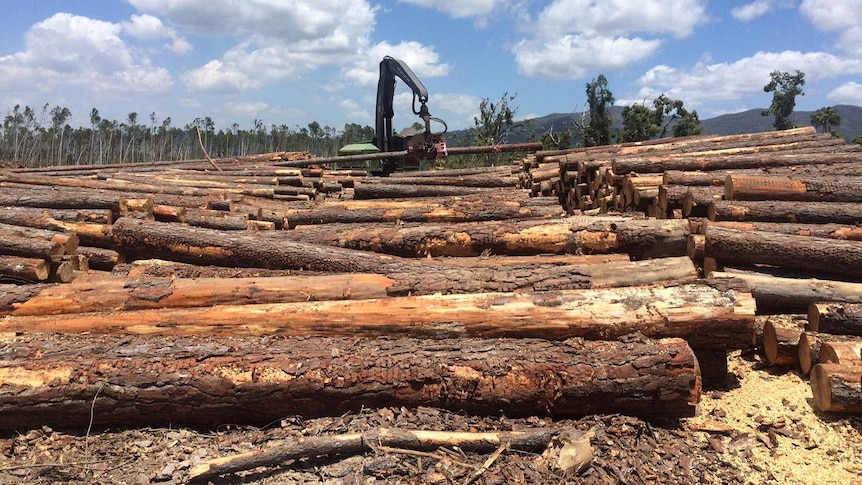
837,388
27,247
395,191
62,198
845,353
150,381
787,251
577,234
708,316
794,295
810,344
23,269
781,343
830,231
767,187
786,211
835,318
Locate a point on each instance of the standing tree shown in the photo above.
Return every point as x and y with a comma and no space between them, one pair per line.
784,88
600,99
495,118
827,118
638,124
669,110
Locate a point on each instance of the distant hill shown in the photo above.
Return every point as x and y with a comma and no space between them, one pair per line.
750,121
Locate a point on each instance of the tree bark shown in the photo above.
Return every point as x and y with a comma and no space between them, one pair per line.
577,234
837,388
18,268
835,318
708,316
793,295
27,247
150,381
781,343
810,344
764,187
63,198
366,190
786,211
829,231
806,253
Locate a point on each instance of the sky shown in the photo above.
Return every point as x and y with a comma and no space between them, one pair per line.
293,62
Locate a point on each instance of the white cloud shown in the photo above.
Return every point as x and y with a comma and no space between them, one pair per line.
844,17
423,60
747,76
147,27
71,50
751,11
574,38
275,40
576,56
459,8
847,93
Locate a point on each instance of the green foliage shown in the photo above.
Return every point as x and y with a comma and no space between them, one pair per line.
641,123
557,141
784,88
858,140
826,118
638,124
600,99
494,120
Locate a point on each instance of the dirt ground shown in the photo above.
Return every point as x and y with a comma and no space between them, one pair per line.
760,427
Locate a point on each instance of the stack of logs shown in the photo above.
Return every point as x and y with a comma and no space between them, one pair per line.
244,290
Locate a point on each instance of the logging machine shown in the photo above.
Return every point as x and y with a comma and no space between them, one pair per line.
412,147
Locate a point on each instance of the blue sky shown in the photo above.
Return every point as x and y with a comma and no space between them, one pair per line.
296,61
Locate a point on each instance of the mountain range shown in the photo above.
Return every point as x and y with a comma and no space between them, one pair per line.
750,121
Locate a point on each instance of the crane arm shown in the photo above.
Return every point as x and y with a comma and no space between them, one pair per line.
389,69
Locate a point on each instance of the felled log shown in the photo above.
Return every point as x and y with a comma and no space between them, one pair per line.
102,259
453,209
29,269
781,342
837,388
793,295
34,248
830,231
88,234
708,314
788,251
477,180
810,344
213,219
72,382
845,353
577,234
835,318
63,198
367,190
765,187
786,211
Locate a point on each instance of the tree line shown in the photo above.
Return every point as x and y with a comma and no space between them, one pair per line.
35,138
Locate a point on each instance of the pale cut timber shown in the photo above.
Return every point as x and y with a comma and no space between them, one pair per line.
205,380
837,388
710,314
845,353
835,318
765,187
794,295
786,211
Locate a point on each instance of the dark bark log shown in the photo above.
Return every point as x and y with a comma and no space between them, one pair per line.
792,295
26,247
707,316
486,181
101,258
829,231
787,251
718,177
837,388
835,318
500,171
787,211
150,381
697,201
750,187
18,268
63,198
220,220
69,240
396,191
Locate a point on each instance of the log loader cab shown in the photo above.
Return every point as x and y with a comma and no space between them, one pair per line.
418,146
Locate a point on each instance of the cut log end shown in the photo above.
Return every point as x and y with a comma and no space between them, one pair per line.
837,388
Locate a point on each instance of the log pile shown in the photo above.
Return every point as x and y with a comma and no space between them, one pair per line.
481,290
